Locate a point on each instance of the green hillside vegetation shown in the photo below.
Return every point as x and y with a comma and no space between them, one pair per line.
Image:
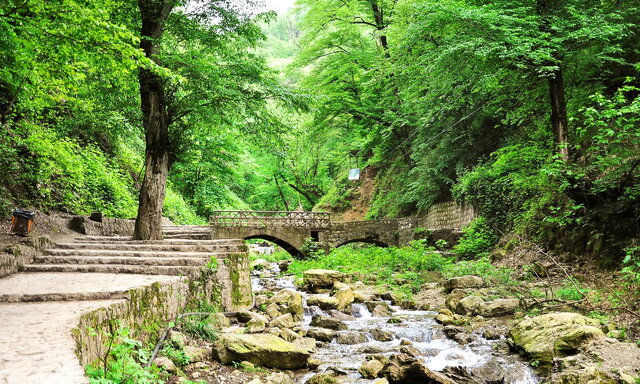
528,110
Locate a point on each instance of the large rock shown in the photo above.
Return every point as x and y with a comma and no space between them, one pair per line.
370,369
351,338
469,281
499,307
381,335
345,297
469,305
284,321
323,278
321,334
405,369
260,349
289,301
555,334
327,322
260,264
322,378
324,302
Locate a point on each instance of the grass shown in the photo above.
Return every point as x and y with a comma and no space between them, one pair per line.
401,269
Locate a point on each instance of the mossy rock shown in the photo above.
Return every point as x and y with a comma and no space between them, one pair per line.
261,349
552,335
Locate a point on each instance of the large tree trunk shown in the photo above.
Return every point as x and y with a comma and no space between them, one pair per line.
155,122
559,120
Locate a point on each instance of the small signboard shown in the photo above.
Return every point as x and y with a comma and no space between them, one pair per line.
354,174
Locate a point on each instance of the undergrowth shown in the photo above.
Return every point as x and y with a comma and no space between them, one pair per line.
402,269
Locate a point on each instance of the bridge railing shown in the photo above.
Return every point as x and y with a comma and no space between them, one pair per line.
316,220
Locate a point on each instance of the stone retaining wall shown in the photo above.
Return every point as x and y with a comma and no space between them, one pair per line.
107,227
15,256
146,311
447,216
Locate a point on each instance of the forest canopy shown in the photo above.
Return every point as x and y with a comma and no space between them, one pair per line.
526,109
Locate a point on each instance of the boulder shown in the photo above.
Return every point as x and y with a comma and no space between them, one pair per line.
260,349
370,369
165,363
345,297
257,325
340,316
260,264
322,378
283,321
469,305
273,310
196,354
499,307
403,369
321,334
351,338
381,310
245,316
288,334
462,282
178,339
390,296
324,278
289,301
219,320
452,299
327,322
381,335
555,334
324,302
283,265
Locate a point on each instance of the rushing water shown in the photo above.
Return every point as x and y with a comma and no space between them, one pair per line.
439,353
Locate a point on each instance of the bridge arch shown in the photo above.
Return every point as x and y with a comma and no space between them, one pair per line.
291,249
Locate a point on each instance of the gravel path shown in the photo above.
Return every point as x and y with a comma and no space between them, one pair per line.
36,345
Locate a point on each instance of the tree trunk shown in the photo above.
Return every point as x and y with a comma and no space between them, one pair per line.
155,122
559,121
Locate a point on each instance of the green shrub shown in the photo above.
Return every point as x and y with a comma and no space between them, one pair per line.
178,211
124,362
481,267
477,241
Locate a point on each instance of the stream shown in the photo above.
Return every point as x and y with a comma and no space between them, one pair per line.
482,360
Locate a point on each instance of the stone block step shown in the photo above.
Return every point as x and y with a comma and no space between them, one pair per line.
117,246
202,236
158,261
128,240
113,268
126,253
78,296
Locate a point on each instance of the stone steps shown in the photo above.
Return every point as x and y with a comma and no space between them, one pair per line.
149,261
127,253
176,241
182,254
114,268
124,246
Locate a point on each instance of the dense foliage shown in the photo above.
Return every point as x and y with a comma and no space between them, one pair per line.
528,110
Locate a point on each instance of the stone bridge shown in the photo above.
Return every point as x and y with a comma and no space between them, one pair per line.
291,229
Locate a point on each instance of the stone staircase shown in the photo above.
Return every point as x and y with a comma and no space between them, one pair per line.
185,250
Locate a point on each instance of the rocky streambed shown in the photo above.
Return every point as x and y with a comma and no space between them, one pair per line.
334,330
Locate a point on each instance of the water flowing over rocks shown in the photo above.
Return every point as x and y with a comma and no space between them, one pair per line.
364,336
